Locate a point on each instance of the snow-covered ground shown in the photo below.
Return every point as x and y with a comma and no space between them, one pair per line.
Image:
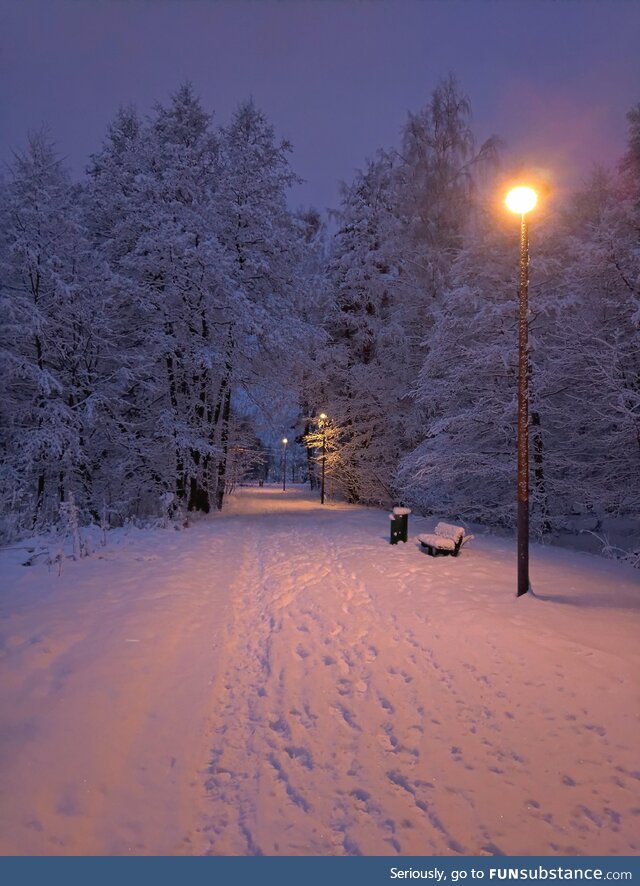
280,680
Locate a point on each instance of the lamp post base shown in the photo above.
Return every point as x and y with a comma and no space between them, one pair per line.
523,548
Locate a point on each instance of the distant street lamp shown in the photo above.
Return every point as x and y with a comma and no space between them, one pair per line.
522,200
323,427
284,464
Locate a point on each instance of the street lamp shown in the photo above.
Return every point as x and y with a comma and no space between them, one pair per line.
522,200
284,464
323,427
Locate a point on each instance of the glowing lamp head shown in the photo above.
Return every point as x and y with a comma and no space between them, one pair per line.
521,200
322,416
285,441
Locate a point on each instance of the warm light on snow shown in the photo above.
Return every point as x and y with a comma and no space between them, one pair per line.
521,200
280,680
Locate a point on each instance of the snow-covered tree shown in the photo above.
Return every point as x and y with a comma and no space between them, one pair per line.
364,372
595,352
53,385
159,233
400,228
264,328
151,313
467,386
584,367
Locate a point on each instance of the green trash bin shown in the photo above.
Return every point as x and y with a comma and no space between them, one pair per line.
399,525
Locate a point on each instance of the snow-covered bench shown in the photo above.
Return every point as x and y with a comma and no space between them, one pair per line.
446,540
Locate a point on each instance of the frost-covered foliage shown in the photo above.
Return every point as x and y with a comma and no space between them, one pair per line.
54,385
400,223
136,305
584,363
152,312
421,372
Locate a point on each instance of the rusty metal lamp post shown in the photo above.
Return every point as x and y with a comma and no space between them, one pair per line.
522,200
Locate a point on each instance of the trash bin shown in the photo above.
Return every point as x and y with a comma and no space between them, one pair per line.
399,525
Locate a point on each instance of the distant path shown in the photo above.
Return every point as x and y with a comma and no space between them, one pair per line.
280,680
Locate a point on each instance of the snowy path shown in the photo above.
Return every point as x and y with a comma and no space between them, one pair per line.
104,696
281,680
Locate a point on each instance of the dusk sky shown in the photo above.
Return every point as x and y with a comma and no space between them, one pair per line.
553,79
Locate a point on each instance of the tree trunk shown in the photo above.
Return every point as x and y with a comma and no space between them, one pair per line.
224,440
173,399
198,491
198,485
311,464
222,414
39,499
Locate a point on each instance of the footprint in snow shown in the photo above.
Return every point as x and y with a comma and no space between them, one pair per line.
388,742
386,705
347,716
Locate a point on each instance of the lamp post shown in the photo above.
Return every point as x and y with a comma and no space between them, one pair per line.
284,464
323,427
522,200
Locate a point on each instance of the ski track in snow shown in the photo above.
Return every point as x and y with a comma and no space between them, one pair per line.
281,681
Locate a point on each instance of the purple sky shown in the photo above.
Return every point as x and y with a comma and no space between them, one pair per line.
554,78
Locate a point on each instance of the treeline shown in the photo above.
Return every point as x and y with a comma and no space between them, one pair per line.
420,380
150,310
142,310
